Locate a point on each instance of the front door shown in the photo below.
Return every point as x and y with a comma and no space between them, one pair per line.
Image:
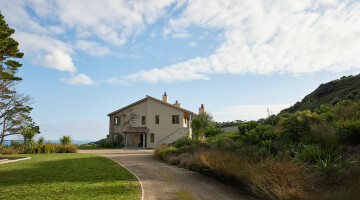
142,136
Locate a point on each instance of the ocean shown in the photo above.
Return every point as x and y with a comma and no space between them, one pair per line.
78,142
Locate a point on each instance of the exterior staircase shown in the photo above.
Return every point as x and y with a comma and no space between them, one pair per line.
180,133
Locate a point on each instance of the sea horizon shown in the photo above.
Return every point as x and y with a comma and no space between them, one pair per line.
78,142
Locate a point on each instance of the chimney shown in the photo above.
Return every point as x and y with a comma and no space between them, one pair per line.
165,98
201,109
177,104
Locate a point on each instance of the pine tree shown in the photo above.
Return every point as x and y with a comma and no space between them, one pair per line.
14,107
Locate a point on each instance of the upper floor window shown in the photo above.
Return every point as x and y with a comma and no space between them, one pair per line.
157,119
116,120
143,120
175,119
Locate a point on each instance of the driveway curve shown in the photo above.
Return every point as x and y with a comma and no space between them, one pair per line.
163,181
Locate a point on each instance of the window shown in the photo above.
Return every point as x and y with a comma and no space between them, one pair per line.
116,120
157,119
175,119
143,120
152,137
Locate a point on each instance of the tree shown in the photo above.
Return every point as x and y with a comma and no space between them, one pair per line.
200,124
14,107
28,136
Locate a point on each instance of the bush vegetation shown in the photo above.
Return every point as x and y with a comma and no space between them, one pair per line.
30,146
302,155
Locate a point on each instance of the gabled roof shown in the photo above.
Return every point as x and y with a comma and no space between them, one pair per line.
154,99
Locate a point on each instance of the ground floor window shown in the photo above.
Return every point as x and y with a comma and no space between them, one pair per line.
152,137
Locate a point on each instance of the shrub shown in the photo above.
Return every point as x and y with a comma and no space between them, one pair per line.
212,131
168,152
272,120
324,133
106,143
225,144
322,109
8,150
48,148
349,130
159,150
68,148
245,127
183,142
41,140
118,140
17,145
297,125
65,139
347,109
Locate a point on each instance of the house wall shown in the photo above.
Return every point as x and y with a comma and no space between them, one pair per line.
139,109
165,127
150,109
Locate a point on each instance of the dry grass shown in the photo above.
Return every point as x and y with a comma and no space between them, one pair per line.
268,179
68,148
8,150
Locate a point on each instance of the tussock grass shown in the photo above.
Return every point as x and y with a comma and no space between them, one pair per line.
268,179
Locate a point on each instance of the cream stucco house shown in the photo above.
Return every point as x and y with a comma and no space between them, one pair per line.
156,122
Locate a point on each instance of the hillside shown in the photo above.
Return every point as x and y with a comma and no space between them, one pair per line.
329,93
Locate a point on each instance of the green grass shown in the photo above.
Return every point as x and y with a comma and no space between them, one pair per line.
233,135
67,176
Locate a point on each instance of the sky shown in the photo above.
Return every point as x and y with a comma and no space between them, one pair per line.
86,58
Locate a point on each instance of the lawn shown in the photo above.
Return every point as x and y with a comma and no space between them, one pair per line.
67,176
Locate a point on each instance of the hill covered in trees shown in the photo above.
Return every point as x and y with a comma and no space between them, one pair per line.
329,93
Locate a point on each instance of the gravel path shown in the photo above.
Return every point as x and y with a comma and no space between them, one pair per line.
163,181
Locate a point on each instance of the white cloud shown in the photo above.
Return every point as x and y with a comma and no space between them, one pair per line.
113,21
192,44
80,79
92,48
247,112
38,24
191,70
264,37
46,51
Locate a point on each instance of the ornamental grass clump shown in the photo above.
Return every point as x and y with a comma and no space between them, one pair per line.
65,139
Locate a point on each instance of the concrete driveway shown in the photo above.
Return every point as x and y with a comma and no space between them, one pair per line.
163,181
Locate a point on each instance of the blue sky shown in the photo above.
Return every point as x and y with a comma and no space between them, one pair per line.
85,59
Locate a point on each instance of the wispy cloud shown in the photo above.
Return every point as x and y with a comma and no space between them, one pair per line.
291,37
80,79
92,48
192,44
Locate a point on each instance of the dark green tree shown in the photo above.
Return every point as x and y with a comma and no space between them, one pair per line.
14,107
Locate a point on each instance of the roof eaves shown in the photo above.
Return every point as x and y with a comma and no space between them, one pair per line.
128,106
168,104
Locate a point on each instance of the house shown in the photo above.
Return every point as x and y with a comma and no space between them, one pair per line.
149,122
